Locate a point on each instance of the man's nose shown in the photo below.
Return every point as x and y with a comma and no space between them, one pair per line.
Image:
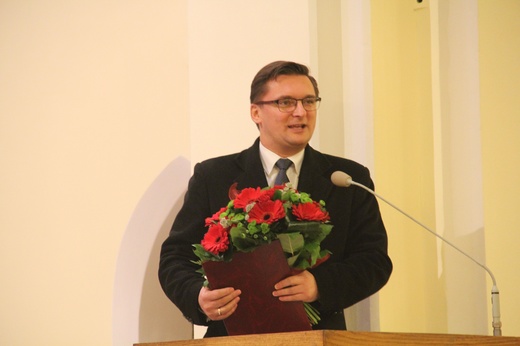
299,110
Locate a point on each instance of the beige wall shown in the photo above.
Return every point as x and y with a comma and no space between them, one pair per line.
92,108
404,163
418,103
499,25
97,98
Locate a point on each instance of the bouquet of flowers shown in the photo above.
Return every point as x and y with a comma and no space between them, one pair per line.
259,216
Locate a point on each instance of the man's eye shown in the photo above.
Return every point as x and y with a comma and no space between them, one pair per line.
286,102
310,101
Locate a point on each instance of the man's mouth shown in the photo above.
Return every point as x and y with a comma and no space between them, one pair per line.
297,126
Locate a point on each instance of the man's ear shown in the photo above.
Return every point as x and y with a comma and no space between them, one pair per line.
255,114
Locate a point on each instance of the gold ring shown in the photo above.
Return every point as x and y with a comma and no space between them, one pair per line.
219,312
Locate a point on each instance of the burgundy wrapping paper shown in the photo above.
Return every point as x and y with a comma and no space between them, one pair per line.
255,274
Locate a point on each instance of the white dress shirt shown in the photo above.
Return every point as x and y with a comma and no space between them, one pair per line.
269,159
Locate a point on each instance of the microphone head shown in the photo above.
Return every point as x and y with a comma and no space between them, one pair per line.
341,179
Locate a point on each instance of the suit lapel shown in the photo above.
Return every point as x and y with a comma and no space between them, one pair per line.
313,175
252,172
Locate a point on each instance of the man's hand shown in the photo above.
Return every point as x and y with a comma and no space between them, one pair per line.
219,304
300,287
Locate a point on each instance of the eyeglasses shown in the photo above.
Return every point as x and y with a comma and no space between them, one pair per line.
288,104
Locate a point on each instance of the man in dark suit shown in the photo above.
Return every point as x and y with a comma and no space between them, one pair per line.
284,103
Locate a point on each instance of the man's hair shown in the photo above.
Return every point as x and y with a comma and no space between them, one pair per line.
272,71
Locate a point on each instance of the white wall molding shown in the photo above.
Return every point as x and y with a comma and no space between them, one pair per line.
458,162
358,120
141,311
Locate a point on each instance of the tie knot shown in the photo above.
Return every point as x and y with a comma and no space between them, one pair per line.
283,164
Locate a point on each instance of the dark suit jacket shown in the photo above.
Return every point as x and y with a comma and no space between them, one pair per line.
359,265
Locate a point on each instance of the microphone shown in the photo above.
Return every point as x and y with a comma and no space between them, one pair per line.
342,179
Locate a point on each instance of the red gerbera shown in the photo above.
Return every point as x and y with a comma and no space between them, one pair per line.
216,239
269,193
247,196
215,217
267,211
310,212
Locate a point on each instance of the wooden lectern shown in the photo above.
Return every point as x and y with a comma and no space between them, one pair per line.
338,338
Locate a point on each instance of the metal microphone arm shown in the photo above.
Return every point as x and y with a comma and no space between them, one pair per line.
495,294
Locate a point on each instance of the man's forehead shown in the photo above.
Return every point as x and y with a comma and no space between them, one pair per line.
290,83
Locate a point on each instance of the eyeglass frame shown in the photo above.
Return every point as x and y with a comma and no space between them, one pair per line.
277,103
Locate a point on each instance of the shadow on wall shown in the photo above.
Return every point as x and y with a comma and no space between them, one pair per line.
141,310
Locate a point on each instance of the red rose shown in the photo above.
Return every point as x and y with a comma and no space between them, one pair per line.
216,239
267,212
310,212
246,196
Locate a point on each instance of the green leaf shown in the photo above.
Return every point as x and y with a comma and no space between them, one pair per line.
241,240
277,194
313,232
237,232
304,226
326,228
204,255
314,252
310,230
292,260
246,244
292,243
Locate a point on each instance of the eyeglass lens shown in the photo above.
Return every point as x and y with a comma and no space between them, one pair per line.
289,104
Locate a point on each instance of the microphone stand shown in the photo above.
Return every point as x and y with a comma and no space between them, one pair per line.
495,294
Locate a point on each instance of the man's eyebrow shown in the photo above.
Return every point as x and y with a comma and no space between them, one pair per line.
292,97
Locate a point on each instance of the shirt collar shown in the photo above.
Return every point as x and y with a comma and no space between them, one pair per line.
269,159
